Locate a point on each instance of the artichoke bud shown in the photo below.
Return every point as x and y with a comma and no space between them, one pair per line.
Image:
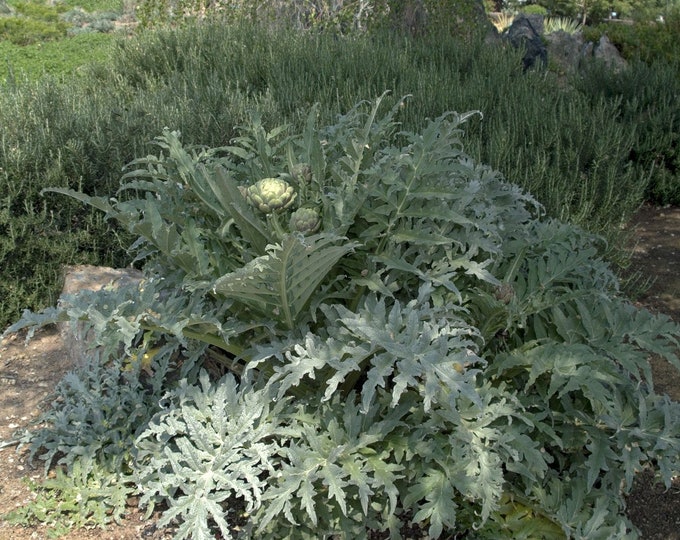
504,293
271,195
302,173
305,221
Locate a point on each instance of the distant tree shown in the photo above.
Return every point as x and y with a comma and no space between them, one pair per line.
462,17
594,10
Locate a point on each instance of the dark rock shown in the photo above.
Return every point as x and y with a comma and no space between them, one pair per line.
524,34
537,22
565,50
569,52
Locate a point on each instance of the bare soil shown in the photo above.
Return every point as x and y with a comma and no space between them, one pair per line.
29,373
656,257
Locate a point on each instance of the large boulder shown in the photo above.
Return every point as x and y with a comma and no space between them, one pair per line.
608,54
525,33
569,52
565,50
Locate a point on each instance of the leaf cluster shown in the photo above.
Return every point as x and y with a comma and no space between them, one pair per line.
77,499
210,444
86,438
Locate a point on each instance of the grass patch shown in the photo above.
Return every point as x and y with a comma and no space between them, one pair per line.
38,40
25,31
61,58
38,11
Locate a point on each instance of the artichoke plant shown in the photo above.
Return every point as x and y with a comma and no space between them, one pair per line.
271,195
305,220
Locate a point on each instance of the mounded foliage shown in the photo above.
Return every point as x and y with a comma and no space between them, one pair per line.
433,352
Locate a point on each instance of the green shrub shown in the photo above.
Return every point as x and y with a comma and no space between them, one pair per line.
645,97
99,25
436,353
32,22
46,143
24,31
35,10
82,21
534,9
60,58
37,23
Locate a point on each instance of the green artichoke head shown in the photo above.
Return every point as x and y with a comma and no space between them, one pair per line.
305,220
271,195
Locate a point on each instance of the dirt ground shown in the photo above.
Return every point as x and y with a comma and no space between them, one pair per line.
654,510
27,374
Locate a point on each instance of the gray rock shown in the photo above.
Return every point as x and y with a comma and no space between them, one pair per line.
569,52
587,51
606,52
